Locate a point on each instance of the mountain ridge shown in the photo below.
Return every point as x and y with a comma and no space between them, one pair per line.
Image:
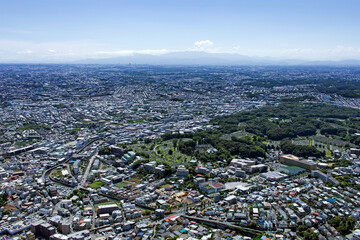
194,58
205,58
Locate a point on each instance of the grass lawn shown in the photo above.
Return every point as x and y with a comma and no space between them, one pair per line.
56,173
121,184
96,185
161,154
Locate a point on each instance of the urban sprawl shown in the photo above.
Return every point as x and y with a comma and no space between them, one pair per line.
112,152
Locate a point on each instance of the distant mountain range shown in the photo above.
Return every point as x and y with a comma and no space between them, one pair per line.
204,58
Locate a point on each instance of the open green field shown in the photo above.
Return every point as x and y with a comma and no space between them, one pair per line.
34,127
327,154
59,173
96,185
235,134
56,173
161,153
121,184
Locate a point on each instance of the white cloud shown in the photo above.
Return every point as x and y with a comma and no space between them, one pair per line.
203,44
77,50
46,51
68,51
27,52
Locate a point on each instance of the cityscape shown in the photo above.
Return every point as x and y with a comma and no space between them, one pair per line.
166,152
179,120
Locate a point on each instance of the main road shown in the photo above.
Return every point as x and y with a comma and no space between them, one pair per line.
88,168
47,171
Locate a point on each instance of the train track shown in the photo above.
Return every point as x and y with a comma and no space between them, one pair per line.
47,172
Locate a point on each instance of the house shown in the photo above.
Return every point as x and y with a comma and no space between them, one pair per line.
150,166
202,170
160,169
325,177
230,199
182,172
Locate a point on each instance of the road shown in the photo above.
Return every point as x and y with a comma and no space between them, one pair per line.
219,224
93,215
88,168
47,171
155,149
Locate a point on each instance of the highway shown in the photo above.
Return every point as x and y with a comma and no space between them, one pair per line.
47,171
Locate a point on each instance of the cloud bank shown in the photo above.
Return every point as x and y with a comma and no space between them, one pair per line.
23,51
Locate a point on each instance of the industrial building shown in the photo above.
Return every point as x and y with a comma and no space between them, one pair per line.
295,161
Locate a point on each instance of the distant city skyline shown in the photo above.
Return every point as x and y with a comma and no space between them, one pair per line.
65,31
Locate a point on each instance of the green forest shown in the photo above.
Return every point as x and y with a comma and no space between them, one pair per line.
281,122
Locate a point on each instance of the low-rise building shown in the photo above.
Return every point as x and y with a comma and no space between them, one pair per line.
182,172
295,161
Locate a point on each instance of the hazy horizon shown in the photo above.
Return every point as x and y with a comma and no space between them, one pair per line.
42,31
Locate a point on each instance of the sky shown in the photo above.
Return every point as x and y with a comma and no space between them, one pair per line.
67,30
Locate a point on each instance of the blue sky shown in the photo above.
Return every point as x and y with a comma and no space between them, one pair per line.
75,29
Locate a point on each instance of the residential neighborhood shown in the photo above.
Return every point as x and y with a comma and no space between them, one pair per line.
140,152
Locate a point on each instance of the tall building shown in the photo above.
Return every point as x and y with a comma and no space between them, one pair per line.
43,229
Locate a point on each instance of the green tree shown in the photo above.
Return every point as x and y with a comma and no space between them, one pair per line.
174,142
3,199
104,151
310,236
